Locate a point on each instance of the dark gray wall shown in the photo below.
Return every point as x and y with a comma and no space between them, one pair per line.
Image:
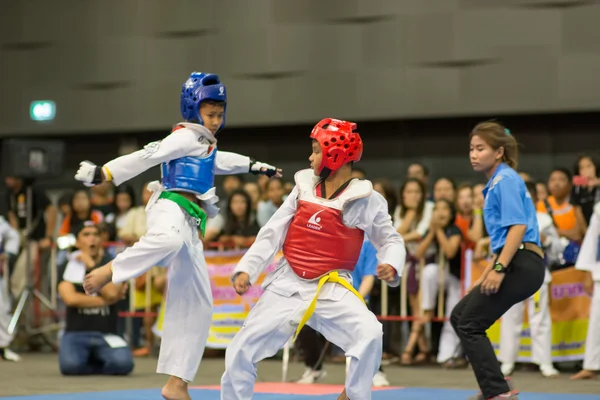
119,64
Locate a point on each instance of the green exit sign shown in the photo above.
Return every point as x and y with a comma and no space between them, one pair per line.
42,110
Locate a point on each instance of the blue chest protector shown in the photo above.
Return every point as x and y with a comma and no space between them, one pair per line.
190,174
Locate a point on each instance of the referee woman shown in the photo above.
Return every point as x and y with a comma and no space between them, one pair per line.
517,269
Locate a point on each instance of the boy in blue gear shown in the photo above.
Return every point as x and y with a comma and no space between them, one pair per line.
180,205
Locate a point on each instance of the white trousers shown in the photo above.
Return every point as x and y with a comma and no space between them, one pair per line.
540,325
172,241
591,361
449,342
347,323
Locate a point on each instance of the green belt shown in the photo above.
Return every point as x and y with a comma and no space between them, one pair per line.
191,208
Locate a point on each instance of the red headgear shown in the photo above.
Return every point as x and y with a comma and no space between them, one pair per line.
340,144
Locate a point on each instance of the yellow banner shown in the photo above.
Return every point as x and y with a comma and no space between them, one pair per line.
229,309
569,307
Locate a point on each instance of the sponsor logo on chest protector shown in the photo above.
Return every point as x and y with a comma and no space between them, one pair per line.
313,222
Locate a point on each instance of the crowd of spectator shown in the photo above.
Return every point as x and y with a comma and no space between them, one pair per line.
443,217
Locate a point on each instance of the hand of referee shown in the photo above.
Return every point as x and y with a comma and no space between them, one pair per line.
492,283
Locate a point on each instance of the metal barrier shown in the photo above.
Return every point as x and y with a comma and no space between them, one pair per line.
148,286
403,317
116,247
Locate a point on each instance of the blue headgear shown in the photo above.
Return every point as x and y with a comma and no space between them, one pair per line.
198,88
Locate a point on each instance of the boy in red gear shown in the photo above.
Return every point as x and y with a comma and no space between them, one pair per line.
321,228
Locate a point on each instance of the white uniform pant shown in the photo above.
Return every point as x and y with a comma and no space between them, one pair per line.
540,325
347,323
449,342
172,241
591,361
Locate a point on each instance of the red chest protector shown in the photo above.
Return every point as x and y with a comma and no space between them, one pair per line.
318,241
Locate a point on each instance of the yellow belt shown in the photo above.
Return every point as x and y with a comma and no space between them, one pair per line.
333,277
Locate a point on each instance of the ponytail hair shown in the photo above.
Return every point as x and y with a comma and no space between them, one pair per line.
497,136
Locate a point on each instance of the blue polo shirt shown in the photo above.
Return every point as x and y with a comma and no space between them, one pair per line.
508,203
366,265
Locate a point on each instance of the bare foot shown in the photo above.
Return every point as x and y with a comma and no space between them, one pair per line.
175,389
343,396
406,358
583,374
422,357
95,280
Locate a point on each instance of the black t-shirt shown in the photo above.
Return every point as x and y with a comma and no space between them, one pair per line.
92,319
586,199
17,203
105,209
237,229
454,263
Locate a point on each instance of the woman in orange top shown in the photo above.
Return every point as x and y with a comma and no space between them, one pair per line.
563,212
469,217
81,211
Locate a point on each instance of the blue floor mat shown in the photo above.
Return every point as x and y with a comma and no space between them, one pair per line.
396,394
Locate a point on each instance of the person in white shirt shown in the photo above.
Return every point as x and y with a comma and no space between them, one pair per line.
178,208
538,309
10,242
320,228
589,260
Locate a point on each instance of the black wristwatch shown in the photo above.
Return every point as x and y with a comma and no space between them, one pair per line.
500,268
